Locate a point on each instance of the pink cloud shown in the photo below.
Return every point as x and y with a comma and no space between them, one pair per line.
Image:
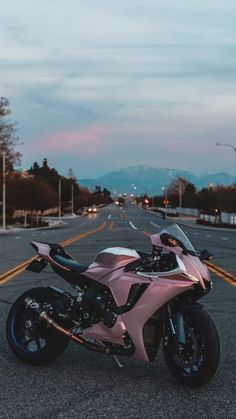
87,141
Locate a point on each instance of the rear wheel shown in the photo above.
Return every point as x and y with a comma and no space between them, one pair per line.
194,363
30,339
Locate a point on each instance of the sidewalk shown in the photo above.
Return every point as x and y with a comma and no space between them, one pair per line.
53,223
11,229
188,221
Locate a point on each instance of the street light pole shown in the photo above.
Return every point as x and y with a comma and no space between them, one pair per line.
4,190
234,148
180,199
164,188
72,199
59,200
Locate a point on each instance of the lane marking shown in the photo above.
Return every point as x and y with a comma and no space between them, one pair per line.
224,238
18,237
15,271
109,217
155,225
82,235
208,235
133,226
111,225
223,276
11,273
146,233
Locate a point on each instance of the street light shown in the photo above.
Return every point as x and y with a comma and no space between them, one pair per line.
234,148
164,188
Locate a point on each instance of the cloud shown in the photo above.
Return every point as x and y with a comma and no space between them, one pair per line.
86,142
108,78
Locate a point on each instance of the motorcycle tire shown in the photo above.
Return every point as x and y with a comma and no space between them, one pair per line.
31,340
198,361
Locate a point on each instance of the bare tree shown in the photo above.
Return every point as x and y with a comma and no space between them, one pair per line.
8,134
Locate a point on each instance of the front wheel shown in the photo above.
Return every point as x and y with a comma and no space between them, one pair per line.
195,362
30,339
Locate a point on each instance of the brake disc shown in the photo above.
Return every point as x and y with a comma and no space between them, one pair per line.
187,353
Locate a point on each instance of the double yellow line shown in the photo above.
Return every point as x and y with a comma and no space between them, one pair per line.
82,235
226,276
15,271
6,276
111,225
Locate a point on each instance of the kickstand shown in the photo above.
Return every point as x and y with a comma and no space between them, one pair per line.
117,361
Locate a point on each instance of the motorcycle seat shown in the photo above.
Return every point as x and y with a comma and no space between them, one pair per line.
70,263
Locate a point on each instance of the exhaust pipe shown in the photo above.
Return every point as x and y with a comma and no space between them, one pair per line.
43,316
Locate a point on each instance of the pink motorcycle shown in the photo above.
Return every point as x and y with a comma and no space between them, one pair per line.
123,304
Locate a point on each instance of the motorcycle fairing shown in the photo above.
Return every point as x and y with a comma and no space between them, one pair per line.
193,264
159,292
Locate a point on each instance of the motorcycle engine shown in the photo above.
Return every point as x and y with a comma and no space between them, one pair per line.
95,306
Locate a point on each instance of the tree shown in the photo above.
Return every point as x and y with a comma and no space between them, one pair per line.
8,135
188,191
51,177
30,194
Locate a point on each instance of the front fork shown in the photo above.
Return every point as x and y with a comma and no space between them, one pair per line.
176,324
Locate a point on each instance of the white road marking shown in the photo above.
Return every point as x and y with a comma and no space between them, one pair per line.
18,237
135,228
109,217
208,235
155,225
224,238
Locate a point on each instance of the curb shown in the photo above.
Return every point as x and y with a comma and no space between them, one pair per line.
197,226
21,230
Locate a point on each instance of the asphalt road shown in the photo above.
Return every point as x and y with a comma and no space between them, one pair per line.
82,384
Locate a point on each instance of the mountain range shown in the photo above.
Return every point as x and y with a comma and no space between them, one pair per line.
148,179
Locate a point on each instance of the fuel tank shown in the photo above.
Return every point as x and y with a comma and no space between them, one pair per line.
110,259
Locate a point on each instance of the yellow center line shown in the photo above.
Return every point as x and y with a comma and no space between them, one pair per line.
16,268
82,235
111,225
146,233
6,276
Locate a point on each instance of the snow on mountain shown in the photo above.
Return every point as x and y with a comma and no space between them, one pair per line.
148,179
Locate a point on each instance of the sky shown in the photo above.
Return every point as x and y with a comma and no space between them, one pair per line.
100,85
